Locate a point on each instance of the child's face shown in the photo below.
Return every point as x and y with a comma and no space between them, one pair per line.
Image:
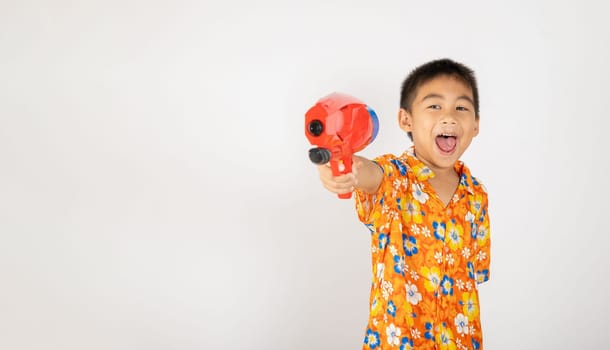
442,121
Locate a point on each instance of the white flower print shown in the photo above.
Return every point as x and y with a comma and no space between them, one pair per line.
414,275
393,334
450,259
397,184
461,324
420,195
439,257
415,333
481,256
393,250
468,285
471,329
466,252
459,345
469,217
460,284
413,295
394,215
415,230
386,289
385,209
425,231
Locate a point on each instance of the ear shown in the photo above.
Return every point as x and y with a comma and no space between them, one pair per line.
405,120
476,126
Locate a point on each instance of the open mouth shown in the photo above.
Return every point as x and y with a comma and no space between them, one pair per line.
446,142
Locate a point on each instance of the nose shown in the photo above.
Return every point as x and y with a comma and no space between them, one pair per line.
448,118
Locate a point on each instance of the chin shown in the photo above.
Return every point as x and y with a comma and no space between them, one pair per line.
447,158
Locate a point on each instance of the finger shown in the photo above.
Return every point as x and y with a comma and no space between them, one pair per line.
339,189
343,184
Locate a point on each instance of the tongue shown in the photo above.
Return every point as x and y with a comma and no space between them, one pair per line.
446,144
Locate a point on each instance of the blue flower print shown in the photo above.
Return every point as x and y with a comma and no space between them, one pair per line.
474,228
409,244
475,344
371,339
399,202
470,266
370,227
482,234
482,276
383,240
400,166
447,285
429,331
406,344
439,230
391,309
463,181
474,180
399,264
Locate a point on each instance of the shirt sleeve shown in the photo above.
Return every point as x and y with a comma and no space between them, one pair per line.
370,206
482,246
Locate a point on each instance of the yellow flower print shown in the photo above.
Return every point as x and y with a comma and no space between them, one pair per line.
482,235
411,213
454,235
432,276
470,305
476,202
446,338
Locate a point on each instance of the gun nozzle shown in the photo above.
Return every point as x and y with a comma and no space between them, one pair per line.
319,155
316,127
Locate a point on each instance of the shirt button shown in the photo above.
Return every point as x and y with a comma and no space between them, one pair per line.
446,249
448,212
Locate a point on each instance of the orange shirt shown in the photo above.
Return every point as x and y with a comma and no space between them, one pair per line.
427,259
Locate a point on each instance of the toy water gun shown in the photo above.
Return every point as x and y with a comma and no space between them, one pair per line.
339,125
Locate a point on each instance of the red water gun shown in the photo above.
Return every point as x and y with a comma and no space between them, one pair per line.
339,125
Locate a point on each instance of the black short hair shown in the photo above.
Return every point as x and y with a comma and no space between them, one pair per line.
431,70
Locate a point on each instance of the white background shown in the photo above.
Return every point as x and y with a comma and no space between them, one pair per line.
155,190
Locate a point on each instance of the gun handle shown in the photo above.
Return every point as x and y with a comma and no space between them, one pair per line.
340,167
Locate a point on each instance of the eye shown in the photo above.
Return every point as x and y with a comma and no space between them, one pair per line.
434,107
460,108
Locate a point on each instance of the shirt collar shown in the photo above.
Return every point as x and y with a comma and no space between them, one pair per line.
423,172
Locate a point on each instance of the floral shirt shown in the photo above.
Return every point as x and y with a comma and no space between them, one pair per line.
427,258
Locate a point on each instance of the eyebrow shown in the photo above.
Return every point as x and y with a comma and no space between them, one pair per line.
462,97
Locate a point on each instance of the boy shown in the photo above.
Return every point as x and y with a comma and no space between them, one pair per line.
427,216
